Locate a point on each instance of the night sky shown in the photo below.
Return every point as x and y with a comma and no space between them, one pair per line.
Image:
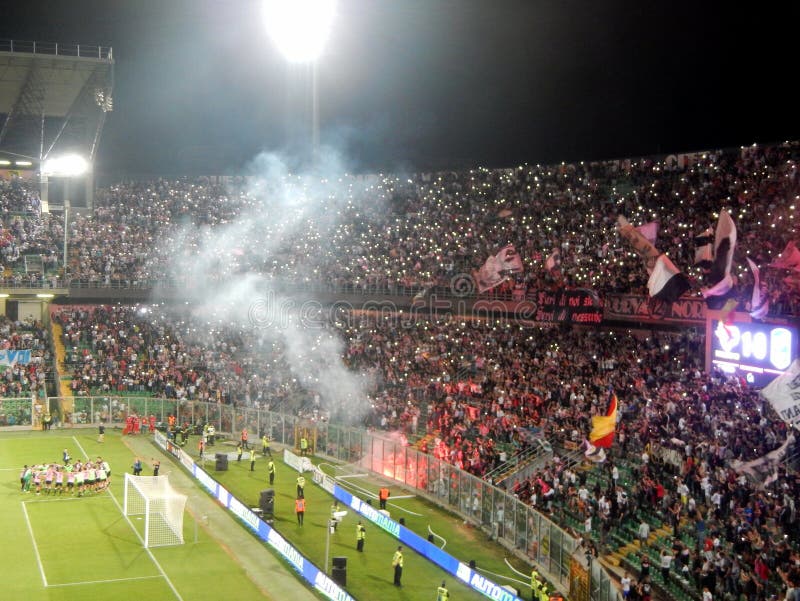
430,84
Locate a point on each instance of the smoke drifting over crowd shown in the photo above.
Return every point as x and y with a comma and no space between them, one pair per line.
229,283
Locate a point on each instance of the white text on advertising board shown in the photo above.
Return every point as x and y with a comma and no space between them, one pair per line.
329,588
206,480
284,548
490,589
373,515
244,513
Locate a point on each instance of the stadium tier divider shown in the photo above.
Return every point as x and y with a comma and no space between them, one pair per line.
299,562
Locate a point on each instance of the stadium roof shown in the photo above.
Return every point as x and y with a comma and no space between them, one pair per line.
53,97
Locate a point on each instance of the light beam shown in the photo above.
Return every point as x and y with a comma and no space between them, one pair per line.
299,28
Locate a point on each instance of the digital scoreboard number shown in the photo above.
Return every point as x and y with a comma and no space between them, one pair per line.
757,352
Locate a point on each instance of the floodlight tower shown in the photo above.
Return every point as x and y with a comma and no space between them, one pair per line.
67,167
300,28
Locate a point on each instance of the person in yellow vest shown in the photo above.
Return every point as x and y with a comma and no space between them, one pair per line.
265,446
271,471
252,460
303,446
239,452
397,562
301,484
442,594
535,584
300,509
361,534
543,594
383,495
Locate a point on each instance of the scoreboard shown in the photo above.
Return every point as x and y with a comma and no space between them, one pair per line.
755,351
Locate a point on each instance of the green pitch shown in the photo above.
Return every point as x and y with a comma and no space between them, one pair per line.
65,548
69,548
369,574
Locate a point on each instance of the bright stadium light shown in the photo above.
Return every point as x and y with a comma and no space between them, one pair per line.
299,28
70,165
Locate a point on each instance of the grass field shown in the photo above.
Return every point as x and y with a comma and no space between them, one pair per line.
68,548
65,548
369,574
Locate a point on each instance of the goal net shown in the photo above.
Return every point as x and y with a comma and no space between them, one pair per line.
161,506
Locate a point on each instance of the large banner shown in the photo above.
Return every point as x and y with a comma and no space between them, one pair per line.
572,306
629,307
10,358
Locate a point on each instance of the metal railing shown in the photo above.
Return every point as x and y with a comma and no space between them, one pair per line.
56,49
517,462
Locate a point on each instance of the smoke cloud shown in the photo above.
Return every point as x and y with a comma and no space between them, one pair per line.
235,271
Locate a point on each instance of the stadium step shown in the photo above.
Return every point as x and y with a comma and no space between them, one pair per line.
62,373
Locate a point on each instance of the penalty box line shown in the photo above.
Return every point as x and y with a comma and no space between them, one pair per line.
109,581
35,546
139,536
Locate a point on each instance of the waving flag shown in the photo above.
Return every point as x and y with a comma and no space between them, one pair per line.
640,243
704,248
783,393
666,281
508,260
604,426
724,245
497,268
788,259
720,280
649,231
759,302
553,262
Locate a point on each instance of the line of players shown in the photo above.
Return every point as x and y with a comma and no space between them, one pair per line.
135,424
76,479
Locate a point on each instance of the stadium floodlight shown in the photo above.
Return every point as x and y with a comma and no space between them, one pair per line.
161,505
69,165
299,28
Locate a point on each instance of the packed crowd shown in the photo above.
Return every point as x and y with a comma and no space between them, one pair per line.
18,379
422,231
138,349
487,390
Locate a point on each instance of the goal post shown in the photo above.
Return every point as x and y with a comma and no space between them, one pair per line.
161,505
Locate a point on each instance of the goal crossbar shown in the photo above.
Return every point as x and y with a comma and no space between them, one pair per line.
161,505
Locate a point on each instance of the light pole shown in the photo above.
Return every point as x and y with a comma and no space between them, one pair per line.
328,545
300,28
67,166
66,230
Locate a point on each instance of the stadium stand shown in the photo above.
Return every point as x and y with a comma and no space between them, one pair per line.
470,392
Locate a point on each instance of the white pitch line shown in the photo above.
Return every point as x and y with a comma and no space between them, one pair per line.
35,546
21,438
139,536
147,549
103,581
